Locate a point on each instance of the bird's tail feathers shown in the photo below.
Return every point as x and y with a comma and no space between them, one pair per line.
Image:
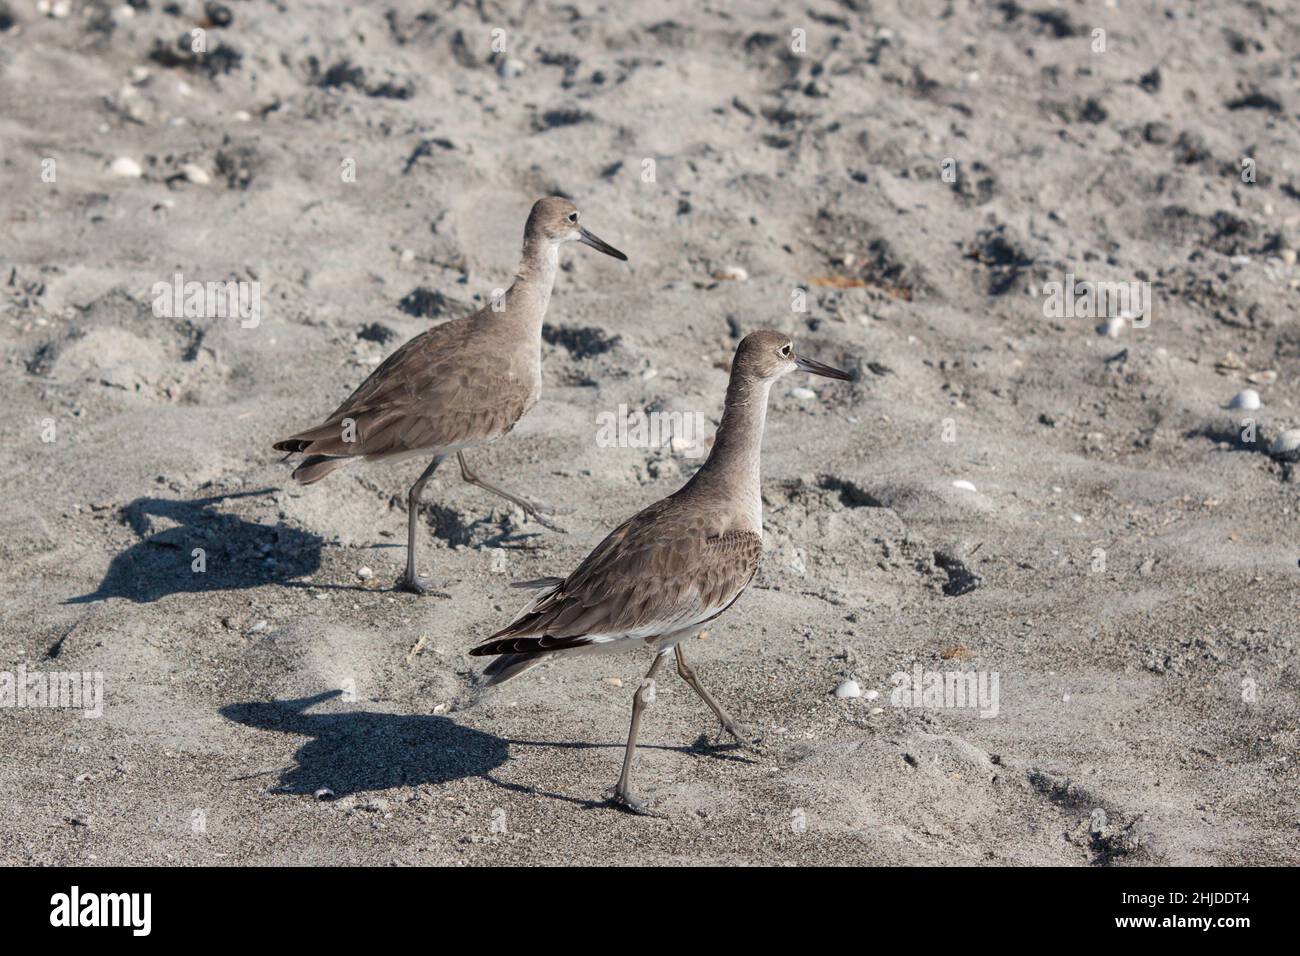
510,665
316,467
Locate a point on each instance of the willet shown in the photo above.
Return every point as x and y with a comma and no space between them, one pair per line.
460,384
668,570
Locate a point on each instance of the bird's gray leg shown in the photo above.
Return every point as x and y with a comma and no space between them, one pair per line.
410,581
688,675
530,509
644,695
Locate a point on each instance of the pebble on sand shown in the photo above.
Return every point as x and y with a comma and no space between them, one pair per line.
963,484
1286,446
1247,399
196,174
731,274
848,689
806,394
324,793
126,167
365,573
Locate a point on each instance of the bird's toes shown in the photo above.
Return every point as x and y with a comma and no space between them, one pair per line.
543,518
744,738
628,803
414,584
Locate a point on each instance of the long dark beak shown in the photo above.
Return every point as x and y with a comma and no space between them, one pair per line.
587,239
817,368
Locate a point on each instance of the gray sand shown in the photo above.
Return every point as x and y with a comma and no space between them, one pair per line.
1136,590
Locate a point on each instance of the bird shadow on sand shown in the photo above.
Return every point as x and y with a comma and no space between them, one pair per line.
357,751
236,554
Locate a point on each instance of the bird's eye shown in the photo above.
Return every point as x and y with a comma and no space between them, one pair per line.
785,350
573,217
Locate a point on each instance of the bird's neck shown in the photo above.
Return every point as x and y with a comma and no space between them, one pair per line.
732,472
530,294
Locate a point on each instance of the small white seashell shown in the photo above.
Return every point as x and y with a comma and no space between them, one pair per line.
324,793
871,694
877,710
195,174
848,689
257,628
511,67
731,274
1112,327
364,573
806,394
1247,399
126,167
963,484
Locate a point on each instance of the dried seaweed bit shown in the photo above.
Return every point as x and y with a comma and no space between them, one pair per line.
341,74
376,332
345,74
425,148
1057,23
580,342
961,579
1255,100
564,116
425,303
238,165
219,61
43,361
1005,260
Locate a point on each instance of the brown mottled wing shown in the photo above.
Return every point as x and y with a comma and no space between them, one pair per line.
438,390
663,570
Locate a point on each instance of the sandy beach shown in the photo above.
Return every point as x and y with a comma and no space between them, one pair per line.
1055,244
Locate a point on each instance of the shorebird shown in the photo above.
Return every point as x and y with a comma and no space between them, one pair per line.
671,568
460,384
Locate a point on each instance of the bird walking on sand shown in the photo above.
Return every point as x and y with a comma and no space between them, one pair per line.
460,384
668,570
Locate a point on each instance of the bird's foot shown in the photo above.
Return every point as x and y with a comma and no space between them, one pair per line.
625,801
412,582
543,516
744,740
